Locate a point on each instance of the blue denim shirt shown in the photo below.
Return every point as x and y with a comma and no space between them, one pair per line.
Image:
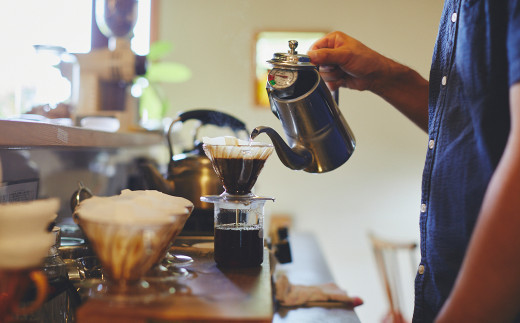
476,59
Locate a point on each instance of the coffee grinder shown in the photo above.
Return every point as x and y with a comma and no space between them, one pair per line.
239,214
107,74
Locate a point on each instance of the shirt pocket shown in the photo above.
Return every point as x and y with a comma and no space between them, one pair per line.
472,46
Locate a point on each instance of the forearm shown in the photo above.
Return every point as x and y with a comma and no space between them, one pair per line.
404,89
488,285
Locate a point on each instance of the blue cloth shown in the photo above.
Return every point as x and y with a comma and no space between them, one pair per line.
475,60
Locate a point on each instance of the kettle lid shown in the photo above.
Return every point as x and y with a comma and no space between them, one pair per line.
291,58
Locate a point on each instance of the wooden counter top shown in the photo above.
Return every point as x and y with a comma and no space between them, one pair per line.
207,294
22,134
211,294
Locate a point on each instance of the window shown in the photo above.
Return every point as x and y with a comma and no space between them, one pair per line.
63,23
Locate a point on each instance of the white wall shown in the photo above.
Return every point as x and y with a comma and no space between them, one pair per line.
379,188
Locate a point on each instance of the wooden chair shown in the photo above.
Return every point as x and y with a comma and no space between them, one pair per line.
389,257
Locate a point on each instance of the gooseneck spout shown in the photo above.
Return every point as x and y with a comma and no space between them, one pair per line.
296,158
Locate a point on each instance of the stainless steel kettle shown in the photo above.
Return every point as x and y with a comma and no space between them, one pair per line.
319,138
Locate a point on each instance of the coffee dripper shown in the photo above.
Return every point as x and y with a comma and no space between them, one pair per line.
238,213
319,138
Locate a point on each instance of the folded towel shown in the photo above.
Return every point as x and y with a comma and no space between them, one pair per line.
288,294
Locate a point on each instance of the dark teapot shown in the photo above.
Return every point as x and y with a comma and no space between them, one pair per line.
190,174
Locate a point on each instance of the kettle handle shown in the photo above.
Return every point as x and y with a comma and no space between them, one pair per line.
213,117
335,94
206,116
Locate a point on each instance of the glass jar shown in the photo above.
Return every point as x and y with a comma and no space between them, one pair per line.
239,230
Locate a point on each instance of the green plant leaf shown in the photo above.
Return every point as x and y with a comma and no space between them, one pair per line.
158,50
168,72
151,103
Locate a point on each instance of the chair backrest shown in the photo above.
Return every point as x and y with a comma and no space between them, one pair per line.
389,257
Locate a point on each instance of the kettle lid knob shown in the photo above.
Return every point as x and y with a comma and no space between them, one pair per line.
292,47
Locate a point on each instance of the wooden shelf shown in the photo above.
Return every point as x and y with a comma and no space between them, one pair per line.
22,134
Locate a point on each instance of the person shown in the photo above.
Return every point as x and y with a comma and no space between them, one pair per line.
470,107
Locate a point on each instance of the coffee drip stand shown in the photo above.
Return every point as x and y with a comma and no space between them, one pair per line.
238,213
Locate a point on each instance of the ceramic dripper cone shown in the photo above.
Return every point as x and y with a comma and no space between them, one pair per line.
237,162
130,232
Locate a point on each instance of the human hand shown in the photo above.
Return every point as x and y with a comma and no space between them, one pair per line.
346,62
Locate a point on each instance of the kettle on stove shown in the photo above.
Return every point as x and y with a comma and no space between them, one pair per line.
319,138
190,174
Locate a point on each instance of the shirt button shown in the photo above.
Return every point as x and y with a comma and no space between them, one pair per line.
431,143
454,17
423,208
444,80
420,270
